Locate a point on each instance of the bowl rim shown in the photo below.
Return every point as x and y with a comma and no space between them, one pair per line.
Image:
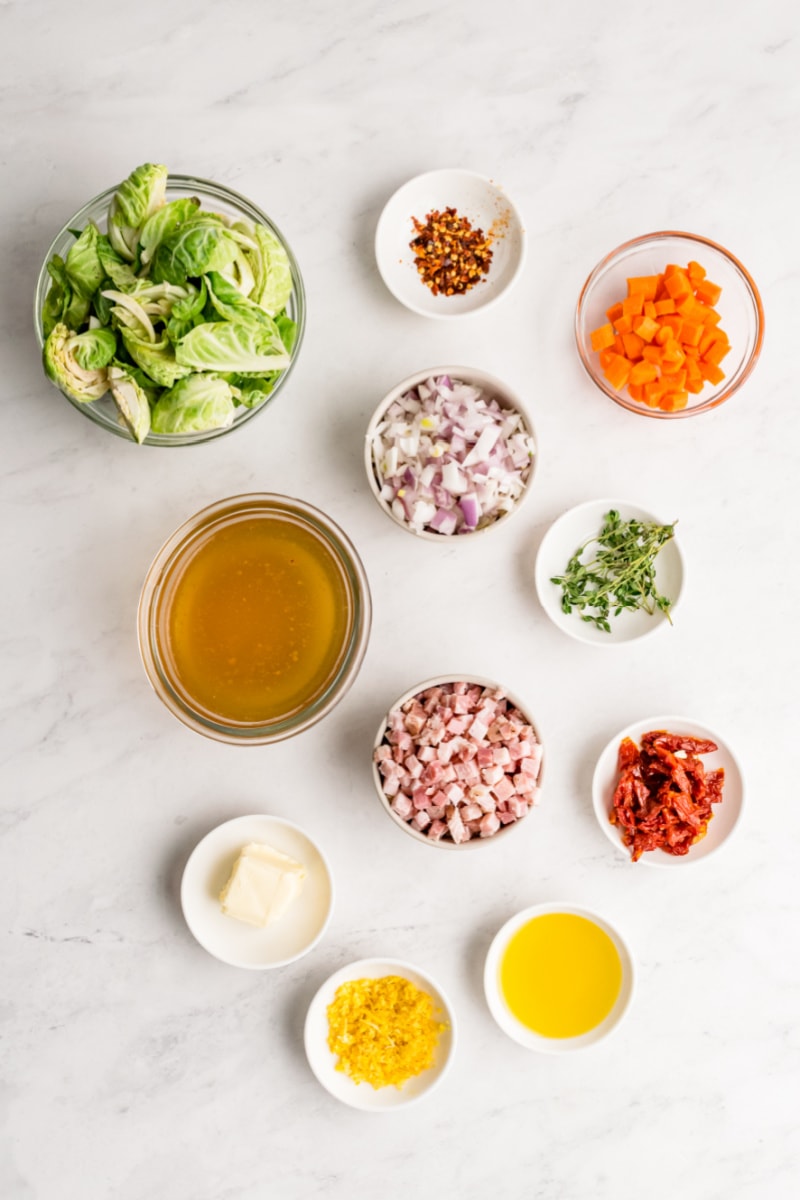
505,396
297,300
714,402
398,966
494,189
348,558
436,681
509,1024
635,729
577,633
198,937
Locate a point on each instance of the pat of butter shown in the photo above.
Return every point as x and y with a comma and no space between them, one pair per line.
263,884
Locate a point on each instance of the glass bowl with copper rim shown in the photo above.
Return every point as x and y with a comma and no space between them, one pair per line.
500,795
254,619
494,225
513,482
216,198
738,306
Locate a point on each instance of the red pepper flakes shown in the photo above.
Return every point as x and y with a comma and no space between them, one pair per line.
450,256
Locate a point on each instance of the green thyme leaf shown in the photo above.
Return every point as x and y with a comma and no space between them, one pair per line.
618,574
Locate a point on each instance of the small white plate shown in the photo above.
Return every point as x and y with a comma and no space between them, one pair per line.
506,1019
560,543
726,813
235,942
323,1062
484,204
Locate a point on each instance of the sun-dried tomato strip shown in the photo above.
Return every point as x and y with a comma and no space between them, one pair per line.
663,796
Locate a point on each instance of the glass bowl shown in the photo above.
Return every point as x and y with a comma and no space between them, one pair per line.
166,606
741,312
214,197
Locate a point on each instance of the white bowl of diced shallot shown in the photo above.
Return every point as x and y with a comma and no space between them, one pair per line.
450,451
457,763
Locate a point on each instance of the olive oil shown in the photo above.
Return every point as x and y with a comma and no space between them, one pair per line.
560,975
256,620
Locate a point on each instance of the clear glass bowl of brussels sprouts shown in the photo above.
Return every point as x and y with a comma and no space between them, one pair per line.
169,309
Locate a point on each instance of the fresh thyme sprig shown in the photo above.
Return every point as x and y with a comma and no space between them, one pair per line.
621,574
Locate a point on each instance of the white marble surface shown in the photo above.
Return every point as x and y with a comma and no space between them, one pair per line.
135,1066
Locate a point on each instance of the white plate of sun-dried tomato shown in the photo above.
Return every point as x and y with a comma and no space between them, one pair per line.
449,242
668,791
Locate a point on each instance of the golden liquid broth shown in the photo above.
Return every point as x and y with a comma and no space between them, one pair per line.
257,620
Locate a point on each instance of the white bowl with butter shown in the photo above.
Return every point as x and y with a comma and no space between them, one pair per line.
257,892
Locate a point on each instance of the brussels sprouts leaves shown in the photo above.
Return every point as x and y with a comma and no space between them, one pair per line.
177,312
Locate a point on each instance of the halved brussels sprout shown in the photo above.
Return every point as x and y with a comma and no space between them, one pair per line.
81,383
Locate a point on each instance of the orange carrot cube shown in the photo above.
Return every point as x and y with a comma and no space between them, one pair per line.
665,306
644,285
695,272
623,324
711,372
614,312
633,305
646,328
691,333
708,292
635,392
618,371
643,372
633,345
603,337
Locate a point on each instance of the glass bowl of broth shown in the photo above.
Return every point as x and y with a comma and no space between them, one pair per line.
254,619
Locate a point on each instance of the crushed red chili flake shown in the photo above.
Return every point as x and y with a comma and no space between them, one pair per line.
663,797
450,256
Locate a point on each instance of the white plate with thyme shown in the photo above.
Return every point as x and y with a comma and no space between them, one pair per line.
620,571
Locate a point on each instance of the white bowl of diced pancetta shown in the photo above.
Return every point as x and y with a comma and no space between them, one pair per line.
457,763
450,451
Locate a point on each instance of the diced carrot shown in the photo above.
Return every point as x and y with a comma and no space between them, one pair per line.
715,354
646,328
618,371
678,286
633,305
663,339
708,292
672,401
691,333
603,337
644,372
633,345
711,372
645,285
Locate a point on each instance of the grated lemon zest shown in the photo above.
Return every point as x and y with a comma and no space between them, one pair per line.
384,1031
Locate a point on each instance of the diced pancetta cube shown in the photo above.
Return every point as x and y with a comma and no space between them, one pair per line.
500,756
413,766
402,806
524,784
382,753
454,793
458,725
489,824
426,754
481,795
478,729
485,755
436,829
391,785
420,820
420,798
492,775
505,817
518,806
471,812
503,789
456,827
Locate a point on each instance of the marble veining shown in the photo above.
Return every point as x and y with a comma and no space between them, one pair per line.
133,1065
